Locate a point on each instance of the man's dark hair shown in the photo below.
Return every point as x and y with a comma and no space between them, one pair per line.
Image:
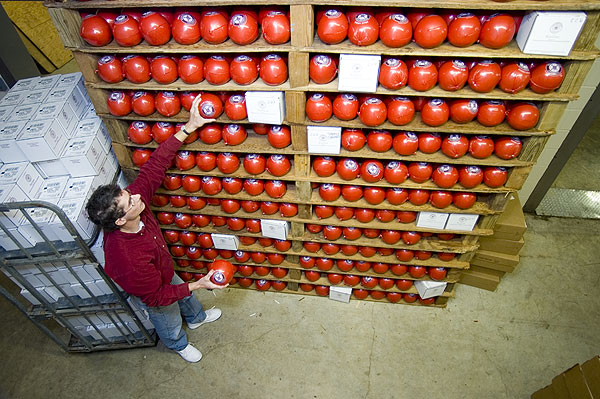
102,206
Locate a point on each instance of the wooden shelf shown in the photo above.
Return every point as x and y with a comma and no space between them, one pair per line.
511,51
290,195
449,127
331,221
458,4
179,85
437,92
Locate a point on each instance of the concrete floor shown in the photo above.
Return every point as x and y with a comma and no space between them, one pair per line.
543,318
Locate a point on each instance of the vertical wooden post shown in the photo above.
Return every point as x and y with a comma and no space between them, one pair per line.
67,24
298,67
550,115
87,64
295,103
302,24
532,148
299,139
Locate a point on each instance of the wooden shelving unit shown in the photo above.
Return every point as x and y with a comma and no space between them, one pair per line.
304,43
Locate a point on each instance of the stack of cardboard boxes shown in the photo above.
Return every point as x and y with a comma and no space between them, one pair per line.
498,254
581,381
53,148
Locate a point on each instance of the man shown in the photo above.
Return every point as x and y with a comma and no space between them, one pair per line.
137,257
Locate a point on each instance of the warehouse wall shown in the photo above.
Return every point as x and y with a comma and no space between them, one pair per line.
562,129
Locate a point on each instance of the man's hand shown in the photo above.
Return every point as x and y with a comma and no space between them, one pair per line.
205,282
196,120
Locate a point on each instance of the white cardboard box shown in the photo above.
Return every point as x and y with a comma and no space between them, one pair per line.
24,175
9,150
341,294
324,139
26,84
83,157
225,241
5,111
78,187
13,98
107,172
47,82
70,95
11,193
359,73
36,96
461,221
429,289
432,220
94,127
8,244
23,112
74,209
265,107
277,229
550,32
52,189
54,168
42,140
61,111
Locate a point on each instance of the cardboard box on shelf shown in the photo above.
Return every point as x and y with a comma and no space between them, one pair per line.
278,229
487,270
10,152
324,139
461,222
432,220
42,140
550,32
265,107
358,72
430,289
225,241
340,294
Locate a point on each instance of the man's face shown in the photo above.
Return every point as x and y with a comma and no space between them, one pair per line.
132,205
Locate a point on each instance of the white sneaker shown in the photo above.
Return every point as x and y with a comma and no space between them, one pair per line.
190,354
211,315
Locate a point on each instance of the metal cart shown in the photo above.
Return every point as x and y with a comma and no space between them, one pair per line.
62,280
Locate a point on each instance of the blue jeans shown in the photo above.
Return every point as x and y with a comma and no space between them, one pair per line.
167,319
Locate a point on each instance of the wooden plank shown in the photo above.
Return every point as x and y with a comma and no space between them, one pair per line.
517,177
575,73
295,105
32,18
302,165
304,211
179,85
449,127
550,115
67,24
298,69
304,190
37,55
299,138
87,65
123,155
589,33
465,92
532,148
512,51
301,17
458,4
297,229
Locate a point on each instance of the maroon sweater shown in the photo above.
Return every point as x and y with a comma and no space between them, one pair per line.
140,262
